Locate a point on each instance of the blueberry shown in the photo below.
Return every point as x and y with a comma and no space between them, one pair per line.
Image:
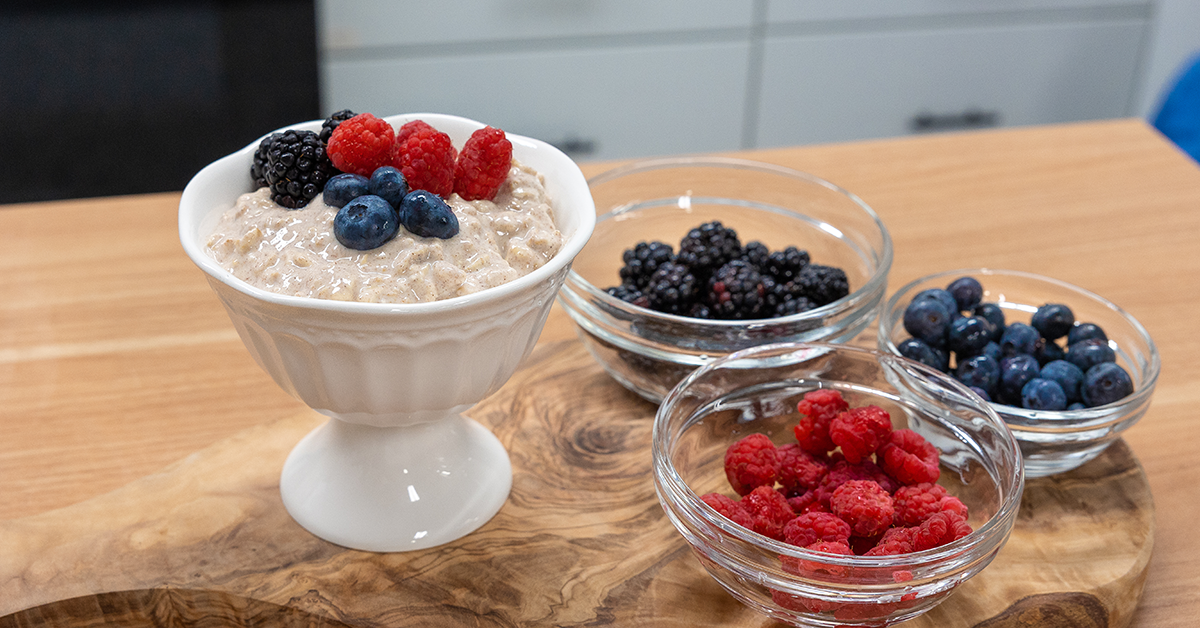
968,335
387,183
1077,405
967,292
920,351
1043,394
943,296
981,392
1015,372
1105,383
1018,339
980,371
993,313
426,214
1053,320
927,320
365,223
1047,351
1085,331
344,188
1088,353
1068,376
993,349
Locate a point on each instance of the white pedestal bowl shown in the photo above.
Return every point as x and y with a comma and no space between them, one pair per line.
397,467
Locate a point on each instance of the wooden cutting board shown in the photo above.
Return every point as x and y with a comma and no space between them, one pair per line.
582,539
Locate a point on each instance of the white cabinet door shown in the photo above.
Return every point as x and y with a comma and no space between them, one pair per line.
855,86
636,100
779,11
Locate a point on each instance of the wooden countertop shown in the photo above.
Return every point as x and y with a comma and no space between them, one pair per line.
116,359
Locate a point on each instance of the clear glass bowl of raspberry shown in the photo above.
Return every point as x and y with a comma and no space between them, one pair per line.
760,391
1053,439
648,348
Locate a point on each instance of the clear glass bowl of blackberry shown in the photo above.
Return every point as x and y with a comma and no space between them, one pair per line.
757,391
695,258
1068,370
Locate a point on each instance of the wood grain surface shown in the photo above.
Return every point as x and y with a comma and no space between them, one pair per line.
116,360
581,541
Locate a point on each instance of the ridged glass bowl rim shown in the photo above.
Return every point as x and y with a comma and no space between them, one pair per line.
849,302
989,536
1049,421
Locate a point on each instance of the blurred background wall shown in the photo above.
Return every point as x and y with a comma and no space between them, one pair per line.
120,97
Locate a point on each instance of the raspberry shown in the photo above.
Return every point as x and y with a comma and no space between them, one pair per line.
362,144
860,431
769,510
750,463
809,528
808,502
939,529
842,471
799,470
864,505
728,508
483,164
909,458
894,541
426,158
817,409
802,567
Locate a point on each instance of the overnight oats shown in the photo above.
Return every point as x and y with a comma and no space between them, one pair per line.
363,212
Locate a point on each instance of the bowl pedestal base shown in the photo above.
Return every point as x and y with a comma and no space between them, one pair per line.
391,489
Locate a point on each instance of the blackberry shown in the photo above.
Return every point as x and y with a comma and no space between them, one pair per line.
672,289
630,295
297,168
258,170
706,248
699,310
332,123
823,284
736,292
794,306
786,265
757,254
642,260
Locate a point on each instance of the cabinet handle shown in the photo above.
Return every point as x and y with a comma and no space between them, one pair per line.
576,146
969,119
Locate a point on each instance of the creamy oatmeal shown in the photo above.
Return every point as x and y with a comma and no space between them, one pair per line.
294,251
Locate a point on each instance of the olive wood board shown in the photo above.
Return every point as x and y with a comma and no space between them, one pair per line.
581,541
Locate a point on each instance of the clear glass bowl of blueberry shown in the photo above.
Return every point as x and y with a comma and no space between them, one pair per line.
1067,370
695,258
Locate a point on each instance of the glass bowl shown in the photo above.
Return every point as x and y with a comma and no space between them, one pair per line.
649,352
756,391
1051,442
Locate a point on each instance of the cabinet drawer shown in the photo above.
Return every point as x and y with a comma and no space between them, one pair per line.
348,24
834,88
782,11
597,104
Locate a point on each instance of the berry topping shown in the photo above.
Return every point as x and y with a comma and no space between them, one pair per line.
365,223
258,170
426,157
817,409
750,463
642,260
808,528
860,431
865,505
387,183
728,508
425,214
708,247
332,123
769,510
362,144
344,188
483,164
296,168
909,458
736,292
